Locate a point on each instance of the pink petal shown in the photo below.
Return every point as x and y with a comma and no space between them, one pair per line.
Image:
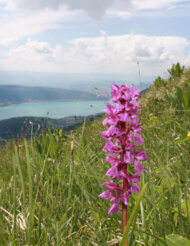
135,188
125,197
119,107
123,117
134,103
112,159
114,208
111,130
108,146
126,96
133,178
141,156
128,158
111,186
107,120
115,199
138,167
113,172
106,194
138,139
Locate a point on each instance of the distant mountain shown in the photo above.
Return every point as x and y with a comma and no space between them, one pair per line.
13,94
25,126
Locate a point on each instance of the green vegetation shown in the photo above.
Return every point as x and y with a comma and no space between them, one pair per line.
179,97
158,82
176,71
49,186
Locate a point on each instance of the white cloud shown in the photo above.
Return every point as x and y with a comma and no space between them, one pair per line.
103,54
156,4
33,46
6,42
94,8
125,15
21,25
40,15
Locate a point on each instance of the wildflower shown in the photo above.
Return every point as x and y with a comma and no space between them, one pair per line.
122,141
188,134
153,118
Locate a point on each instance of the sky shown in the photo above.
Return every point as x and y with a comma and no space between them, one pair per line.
94,36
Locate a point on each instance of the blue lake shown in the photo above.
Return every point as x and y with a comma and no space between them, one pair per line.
52,109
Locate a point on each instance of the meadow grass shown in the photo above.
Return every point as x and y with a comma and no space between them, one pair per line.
49,185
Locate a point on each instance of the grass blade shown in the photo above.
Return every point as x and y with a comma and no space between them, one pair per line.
134,211
14,219
29,170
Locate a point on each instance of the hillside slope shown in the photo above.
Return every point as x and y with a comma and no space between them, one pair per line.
52,196
26,127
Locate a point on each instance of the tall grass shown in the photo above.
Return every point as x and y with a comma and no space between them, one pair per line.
49,186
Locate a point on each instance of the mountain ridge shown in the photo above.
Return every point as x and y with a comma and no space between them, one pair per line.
28,126
16,94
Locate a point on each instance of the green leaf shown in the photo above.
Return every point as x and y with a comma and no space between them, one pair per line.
177,240
186,100
183,140
133,215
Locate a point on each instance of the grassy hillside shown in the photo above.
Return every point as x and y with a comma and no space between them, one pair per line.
50,185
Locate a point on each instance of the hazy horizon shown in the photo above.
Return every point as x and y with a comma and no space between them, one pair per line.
84,81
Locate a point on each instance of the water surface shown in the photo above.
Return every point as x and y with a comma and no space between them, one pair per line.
52,109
